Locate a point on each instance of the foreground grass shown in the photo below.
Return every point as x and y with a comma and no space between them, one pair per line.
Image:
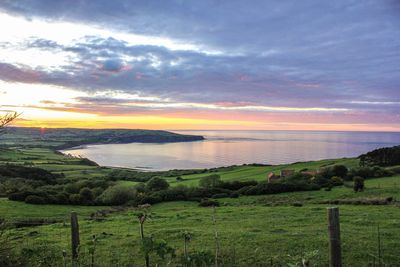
253,230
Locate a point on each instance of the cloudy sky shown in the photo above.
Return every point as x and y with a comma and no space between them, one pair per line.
302,65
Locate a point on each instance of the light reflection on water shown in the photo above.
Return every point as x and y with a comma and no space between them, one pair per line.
224,148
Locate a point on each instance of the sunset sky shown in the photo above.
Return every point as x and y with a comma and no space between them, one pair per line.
273,65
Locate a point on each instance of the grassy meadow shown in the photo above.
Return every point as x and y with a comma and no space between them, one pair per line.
257,230
267,230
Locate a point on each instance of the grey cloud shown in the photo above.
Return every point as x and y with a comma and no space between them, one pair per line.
298,53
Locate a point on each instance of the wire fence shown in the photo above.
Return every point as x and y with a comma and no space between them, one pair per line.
115,241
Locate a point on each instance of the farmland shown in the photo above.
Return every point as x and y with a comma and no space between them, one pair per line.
263,230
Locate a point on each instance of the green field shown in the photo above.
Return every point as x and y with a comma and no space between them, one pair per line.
259,173
253,230
256,229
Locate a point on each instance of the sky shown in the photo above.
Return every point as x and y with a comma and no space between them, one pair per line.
175,64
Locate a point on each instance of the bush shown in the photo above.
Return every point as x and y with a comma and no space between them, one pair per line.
75,199
321,180
358,184
199,192
157,184
97,191
19,196
72,188
265,188
220,195
174,194
30,173
86,195
61,198
297,204
151,199
117,195
234,195
236,185
210,181
32,199
298,178
336,180
340,170
395,170
368,172
208,203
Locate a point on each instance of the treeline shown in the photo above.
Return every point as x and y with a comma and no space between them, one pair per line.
38,186
387,156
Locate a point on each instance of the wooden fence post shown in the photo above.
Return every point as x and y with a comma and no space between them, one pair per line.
74,236
335,253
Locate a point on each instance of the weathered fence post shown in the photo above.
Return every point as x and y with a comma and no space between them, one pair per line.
74,236
335,253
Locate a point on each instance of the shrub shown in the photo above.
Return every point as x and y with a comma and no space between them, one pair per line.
321,180
208,203
174,194
97,191
336,180
234,195
297,204
236,185
298,178
30,173
210,181
395,170
61,198
151,199
72,188
19,196
117,195
358,185
157,184
265,188
369,172
339,170
32,199
86,195
140,187
220,195
75,199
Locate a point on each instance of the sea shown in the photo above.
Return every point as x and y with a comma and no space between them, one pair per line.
226,148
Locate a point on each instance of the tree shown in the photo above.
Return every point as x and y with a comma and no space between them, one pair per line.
157,184
7,119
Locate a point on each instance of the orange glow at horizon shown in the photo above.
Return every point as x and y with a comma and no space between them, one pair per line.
47,106
171,123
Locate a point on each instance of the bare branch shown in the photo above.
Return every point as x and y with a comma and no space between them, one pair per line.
7,119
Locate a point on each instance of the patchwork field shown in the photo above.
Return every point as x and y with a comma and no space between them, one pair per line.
269,230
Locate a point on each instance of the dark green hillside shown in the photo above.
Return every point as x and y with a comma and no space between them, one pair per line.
62,138
387,156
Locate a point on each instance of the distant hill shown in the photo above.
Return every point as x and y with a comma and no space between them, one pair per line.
62,138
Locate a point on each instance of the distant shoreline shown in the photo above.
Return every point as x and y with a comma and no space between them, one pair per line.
68,138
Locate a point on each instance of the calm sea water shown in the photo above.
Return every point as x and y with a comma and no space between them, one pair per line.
224,148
